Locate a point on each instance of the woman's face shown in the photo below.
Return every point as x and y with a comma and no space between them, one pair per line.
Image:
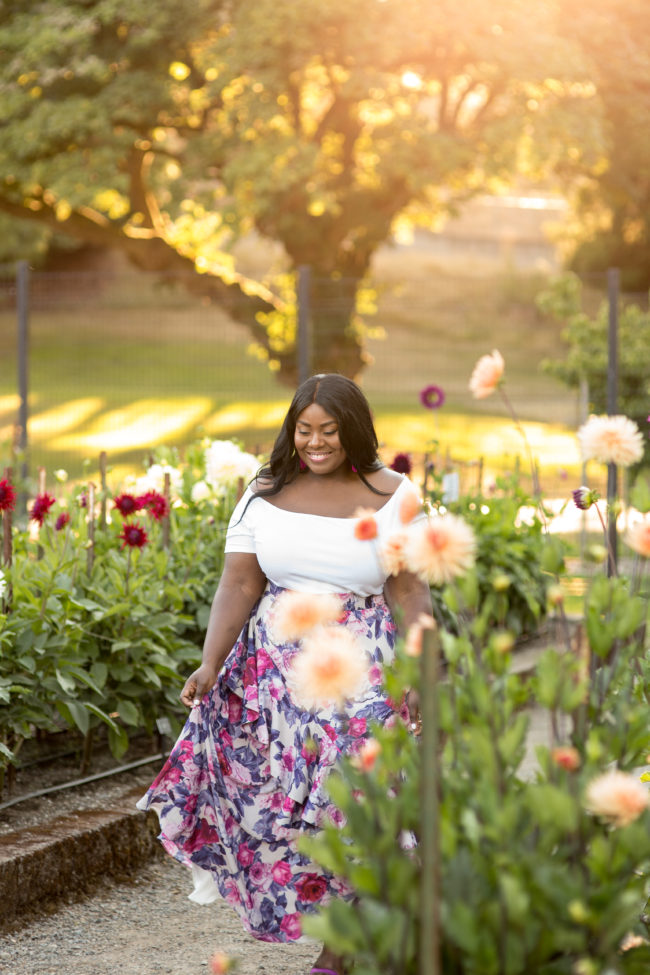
317,440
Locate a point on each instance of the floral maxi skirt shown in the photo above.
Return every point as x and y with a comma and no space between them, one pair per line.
247,776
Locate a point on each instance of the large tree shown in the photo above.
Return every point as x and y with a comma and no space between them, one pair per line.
165,129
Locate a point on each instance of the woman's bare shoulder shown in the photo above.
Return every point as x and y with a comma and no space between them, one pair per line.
385,480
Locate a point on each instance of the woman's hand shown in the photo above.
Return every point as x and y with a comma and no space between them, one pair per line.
413,705
198,684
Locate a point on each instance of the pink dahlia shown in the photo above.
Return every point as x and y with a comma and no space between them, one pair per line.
7,495
617,796
331,668
638,537
297,613
432,397
440,549
392,554
365,528
487,375
611,440
41,506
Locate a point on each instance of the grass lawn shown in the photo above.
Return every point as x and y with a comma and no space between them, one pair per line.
129,367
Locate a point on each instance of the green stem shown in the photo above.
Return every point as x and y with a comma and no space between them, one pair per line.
537,491
610,554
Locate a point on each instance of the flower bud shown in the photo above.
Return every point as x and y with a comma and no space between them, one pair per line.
61,476
503,642
501,582
583,498
555,595
566,757
578,911
596,553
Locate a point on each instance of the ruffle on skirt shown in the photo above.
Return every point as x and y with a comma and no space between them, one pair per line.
248,773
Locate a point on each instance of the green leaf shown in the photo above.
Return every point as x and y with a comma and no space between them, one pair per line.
129,713
118,741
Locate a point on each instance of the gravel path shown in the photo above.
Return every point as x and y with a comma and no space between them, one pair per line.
144,927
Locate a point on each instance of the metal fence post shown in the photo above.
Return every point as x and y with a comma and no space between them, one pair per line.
22,312
613,289
304,322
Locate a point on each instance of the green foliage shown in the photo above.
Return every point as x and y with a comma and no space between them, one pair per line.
532,880
112,645
511,575
586,358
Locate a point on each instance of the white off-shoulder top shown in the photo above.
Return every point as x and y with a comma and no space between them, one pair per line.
314,553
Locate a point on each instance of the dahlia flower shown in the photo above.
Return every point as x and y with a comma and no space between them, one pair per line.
41,506
638,537
127,504
225,463
7,495
409,507
155,503
331,668
365,528
402,464
62,521
611,440
201,491
440,549
432,397
391,554
297,613
134,536
487,375
566,757
154,479
367,755
616,796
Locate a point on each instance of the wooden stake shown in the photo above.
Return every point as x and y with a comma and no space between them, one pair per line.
165,524
102,477
90,553
429,960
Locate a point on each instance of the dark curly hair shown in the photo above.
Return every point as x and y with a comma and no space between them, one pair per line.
342,399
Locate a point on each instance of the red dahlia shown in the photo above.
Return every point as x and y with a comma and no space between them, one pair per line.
40,508
127,504
7,495
155,503
134,536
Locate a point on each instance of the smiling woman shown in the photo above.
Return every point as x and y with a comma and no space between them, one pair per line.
301,626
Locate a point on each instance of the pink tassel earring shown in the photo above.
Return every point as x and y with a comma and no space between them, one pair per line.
354,470
303,466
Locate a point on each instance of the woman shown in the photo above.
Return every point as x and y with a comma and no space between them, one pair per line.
247,776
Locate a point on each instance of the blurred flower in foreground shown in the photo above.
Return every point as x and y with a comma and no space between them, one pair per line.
611,440
392,554
7,495
3,584
487,375
365,528
566,757
409,507
432,397
617,796
134,536
440,549
221,964
297,613
331,668
402,464
41,506
367,755
631,941
638,537
583,498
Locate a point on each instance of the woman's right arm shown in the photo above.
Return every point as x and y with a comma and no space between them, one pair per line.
241,585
